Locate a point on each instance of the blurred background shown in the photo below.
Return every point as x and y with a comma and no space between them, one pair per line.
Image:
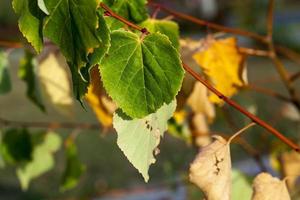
108,174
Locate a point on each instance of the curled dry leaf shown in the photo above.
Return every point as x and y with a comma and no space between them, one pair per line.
211,170
102,106
224,65
266,187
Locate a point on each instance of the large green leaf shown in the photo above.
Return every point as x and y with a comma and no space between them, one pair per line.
72,25
42,159
74,168
141,74
30,21
28,75
139,138
167,27
5,83
16,146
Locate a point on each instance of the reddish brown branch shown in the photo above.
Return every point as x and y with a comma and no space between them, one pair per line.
209,24
215,91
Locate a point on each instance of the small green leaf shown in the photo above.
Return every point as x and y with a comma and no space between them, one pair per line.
5,83
16,146
74,168
42,159
72,25
141,74
27,74
30,21
42,6
167,27
139,138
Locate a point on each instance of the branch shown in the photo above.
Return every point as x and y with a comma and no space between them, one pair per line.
209,24
284,75
295,76
8,44
49,125
214,90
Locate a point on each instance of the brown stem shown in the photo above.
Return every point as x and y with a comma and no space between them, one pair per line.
49,125
295,76
290,54
209,24
284,75
232,103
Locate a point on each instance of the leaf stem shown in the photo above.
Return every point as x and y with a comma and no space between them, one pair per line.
240,132
230,102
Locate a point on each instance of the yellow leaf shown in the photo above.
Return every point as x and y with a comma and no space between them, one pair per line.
223,64
55,80
101,105
291,167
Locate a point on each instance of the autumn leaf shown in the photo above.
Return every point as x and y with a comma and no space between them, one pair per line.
291,167
267,187
101,105
223,64
211,170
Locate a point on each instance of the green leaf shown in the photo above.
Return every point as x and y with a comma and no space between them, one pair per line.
139,138
42,159
28,75
167,27
72,25
241,187
79,85
141,74
5,83
30,21
74,168
16,146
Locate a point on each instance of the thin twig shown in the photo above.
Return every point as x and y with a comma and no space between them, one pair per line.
253,52
284,75
230,102
295,76
268,92
209,24
49,125
237,134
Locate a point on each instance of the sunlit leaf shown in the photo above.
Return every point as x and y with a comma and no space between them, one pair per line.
139,138
223,64
241,187
141,74
42,159
30,21
55,81
167,27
